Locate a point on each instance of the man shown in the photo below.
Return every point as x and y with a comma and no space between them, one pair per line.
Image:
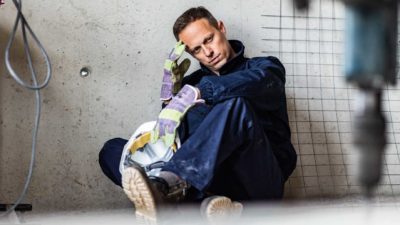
232,120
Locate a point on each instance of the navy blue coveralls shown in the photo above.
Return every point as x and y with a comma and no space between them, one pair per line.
238,143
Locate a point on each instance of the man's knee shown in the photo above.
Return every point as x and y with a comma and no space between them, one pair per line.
237,103
111,149
236,115
109,159
240,108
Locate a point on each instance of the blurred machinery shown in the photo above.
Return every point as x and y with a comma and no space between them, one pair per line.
370,64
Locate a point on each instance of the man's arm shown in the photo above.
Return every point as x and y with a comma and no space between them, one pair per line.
265,77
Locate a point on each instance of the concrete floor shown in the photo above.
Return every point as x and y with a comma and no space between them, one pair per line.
350,210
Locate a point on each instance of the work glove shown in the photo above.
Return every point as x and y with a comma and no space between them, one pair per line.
173,73
170,117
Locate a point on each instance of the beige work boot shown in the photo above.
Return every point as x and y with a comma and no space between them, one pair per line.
220,208
148,193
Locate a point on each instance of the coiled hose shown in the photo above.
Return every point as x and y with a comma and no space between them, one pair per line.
32,86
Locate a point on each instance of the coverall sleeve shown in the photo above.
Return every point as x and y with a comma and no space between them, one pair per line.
263,79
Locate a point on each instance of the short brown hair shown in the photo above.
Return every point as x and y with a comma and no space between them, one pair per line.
190,16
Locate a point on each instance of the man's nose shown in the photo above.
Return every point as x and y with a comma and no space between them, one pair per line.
207,51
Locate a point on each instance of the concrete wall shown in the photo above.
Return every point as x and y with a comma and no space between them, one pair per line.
125,42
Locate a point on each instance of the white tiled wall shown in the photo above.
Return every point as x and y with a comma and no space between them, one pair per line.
320,102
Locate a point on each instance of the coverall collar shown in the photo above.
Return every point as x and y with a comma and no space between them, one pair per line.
238,48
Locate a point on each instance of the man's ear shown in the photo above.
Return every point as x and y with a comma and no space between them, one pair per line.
221,27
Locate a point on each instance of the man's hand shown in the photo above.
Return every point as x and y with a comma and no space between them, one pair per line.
171,116
173,73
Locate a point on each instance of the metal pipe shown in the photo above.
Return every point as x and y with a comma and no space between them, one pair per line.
369,138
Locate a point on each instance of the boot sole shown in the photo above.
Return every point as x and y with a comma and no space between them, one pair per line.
217,208
138,190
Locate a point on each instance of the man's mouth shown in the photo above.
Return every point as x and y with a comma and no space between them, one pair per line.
215,59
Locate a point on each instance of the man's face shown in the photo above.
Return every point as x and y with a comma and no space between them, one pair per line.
207,43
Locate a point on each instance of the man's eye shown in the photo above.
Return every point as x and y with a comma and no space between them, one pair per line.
209,39
196,50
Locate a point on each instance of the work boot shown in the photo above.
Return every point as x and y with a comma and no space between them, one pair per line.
148,193
217,209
